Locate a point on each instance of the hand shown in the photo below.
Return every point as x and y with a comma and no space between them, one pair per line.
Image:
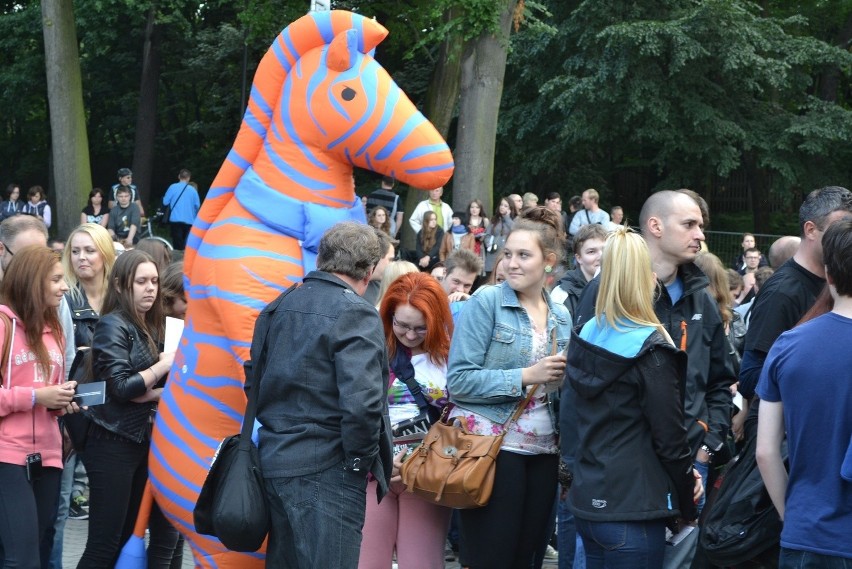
458,296
168,358
424,261
549,369
128,243
698,490
70,408
56,396
401,364
738,424
396,475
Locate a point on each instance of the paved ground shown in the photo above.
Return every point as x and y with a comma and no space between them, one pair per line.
76,532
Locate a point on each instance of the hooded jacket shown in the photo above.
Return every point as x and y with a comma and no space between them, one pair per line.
26,428
623,405
571,285
694,322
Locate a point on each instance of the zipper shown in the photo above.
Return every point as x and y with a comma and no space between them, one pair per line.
683,335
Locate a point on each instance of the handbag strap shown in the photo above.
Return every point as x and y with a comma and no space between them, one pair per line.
523,404
9,328
416,392
255,370
180,195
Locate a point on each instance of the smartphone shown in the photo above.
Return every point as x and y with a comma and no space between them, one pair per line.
34,466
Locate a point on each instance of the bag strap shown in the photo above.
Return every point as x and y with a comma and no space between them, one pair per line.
7,347
254,371
416,392
531,394
180,195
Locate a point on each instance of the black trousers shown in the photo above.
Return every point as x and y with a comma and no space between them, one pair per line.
27,510
180,233
506,533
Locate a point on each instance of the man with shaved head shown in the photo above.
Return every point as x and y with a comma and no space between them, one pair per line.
782,250
672,225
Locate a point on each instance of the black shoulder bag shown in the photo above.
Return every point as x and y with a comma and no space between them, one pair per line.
165,216
232,504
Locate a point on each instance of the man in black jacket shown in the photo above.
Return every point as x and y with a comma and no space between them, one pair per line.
671,223
323,408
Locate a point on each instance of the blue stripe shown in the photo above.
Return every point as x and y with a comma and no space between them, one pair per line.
241,224
261,103
217,404
387,115
278,51
313,83
323,23
369,162
253,123
178,500
268,283
200,292
235,252
430,168
164,462
293,134
215,340
293,174
218,191
238,160
178,443
291,49
423,151
197,394
412,123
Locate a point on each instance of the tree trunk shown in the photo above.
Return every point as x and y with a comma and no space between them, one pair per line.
482,71
758,185
146,118
439,108
830,80
69,141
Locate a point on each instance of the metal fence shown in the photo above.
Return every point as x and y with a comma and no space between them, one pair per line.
727,245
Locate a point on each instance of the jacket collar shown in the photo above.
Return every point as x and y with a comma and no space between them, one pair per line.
510,300
694,279
328,277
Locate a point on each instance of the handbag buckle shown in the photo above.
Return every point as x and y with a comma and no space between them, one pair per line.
451,451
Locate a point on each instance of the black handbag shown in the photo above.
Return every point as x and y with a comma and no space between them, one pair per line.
77,424
232,504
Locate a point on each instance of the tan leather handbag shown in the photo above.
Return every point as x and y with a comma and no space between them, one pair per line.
455,468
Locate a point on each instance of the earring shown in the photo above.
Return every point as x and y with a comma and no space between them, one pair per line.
548,269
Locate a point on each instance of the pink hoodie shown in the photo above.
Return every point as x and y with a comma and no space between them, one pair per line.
16,399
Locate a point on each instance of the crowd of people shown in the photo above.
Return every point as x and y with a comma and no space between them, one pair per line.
646,360
98,299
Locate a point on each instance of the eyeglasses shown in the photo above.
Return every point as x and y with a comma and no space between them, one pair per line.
405,328
11,254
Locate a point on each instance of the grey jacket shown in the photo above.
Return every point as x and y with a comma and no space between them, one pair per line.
322,399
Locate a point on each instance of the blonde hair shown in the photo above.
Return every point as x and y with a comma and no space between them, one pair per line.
627,288
103,243
393,271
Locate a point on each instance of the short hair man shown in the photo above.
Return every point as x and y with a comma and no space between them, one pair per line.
182,198
124,219
322,406
792,290
588,248
553,202
530,200
783,249
125,180
617,215
388,199
672,225
740,261
591,212
388,248
805,392
443,211
462,267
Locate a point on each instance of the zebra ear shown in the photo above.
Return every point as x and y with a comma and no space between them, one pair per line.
343,51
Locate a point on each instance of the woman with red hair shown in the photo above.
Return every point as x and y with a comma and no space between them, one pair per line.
418,325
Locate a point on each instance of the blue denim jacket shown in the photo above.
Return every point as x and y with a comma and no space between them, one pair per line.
491,345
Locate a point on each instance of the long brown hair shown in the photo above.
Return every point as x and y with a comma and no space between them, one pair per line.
427,234
24,290
119,297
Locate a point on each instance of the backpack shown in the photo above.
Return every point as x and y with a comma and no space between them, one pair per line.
741,523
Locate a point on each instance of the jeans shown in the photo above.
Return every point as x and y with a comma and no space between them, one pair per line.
27,510
571,552
623,545
795,559
316,520
118,470
62,510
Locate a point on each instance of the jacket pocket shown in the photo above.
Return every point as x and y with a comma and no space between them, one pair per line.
501,350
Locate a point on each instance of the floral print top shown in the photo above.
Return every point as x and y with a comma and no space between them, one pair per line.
533,432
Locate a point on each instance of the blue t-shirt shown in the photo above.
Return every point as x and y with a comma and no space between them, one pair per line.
808,371
675,289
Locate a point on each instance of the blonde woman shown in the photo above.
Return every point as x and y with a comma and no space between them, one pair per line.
87,259
393,271
632,467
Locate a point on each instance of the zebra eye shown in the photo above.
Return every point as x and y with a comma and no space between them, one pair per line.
348,94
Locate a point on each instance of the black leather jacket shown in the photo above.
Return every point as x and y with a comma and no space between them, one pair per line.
84,317
119,353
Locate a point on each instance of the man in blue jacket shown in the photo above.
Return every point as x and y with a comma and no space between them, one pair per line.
182,198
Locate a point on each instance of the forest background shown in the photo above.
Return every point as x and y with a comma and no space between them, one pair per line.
747,103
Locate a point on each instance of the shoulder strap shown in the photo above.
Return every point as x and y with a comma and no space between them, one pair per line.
531,394
7,346
180,195
589,219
